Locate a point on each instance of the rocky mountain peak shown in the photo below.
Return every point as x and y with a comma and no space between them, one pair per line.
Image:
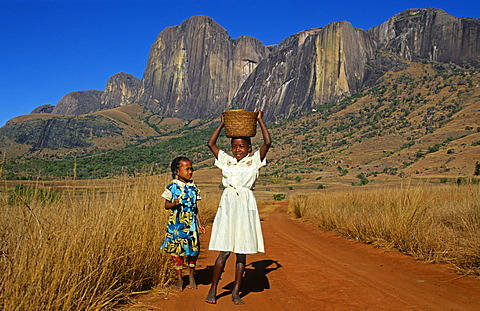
308,69
43,109
196,64
80,102
430,34
120,90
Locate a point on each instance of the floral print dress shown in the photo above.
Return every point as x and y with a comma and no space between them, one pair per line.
182,237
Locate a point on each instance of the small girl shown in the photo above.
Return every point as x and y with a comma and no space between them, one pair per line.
182,237
236,227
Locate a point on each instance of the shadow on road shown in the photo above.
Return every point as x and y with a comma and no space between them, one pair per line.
255,278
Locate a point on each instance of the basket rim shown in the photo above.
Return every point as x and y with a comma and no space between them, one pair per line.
240,123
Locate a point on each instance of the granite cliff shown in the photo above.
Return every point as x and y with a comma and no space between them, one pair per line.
80,102
120,90
194,69
308,69
430,34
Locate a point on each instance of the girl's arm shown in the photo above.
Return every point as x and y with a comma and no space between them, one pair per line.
173,204
267,141
212,142
202,228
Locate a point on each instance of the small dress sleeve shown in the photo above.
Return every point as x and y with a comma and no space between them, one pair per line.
220,160
256,158
171,192
167,194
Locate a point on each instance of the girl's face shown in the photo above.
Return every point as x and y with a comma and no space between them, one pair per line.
185,171
240,148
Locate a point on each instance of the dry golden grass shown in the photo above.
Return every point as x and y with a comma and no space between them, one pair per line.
87,251
438,224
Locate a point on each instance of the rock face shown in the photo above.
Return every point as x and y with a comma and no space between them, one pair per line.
430,34
60,132
120,90
308,69
43,109
194,69
80,102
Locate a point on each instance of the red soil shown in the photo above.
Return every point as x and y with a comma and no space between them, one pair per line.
307,269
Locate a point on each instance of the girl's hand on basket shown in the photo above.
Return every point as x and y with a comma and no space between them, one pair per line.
259,114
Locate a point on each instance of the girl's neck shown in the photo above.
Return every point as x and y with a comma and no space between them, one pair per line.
183,180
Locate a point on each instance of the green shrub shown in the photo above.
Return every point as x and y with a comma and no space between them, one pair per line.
25,195
342,171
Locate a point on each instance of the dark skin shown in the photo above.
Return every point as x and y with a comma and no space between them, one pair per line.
240,149
184,173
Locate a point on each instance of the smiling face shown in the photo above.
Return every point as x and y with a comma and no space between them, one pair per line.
185,171
240,148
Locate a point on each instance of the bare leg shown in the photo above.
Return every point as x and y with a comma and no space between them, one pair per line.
192,284
217,273
239,270
179,280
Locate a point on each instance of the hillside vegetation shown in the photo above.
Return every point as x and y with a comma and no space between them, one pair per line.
419,121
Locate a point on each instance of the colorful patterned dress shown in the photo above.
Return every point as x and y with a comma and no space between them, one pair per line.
236,227
182,237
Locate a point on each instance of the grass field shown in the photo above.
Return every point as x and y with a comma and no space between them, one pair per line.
431,223
89,245
83,248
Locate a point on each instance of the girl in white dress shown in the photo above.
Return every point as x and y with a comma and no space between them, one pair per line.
236,227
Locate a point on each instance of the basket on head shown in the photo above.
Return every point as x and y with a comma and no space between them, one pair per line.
240,123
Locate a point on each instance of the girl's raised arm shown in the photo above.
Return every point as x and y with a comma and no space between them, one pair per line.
267,141
212,142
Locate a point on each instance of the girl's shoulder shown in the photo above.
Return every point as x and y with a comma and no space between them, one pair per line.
180,184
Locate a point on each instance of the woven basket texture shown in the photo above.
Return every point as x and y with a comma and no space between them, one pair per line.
240,123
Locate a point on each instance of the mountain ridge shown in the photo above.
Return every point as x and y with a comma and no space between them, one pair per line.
195,71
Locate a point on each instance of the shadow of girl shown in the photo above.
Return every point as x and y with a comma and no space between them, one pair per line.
255,278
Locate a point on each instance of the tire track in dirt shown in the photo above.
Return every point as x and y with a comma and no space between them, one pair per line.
308,269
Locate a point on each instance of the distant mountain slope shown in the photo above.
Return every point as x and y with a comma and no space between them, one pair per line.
42,134
196,70
400,98
421,121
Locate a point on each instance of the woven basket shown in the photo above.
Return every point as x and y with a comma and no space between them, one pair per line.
240,123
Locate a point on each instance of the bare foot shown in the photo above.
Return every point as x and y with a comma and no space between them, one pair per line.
192,284
237,300
180,285
211,297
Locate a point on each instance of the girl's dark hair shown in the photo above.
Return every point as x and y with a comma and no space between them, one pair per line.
247,139
176,164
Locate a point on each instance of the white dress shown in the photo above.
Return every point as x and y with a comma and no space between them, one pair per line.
236,227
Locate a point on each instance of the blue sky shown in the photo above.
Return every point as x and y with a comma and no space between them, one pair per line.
51,48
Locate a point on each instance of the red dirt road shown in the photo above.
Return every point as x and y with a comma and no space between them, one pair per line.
307,269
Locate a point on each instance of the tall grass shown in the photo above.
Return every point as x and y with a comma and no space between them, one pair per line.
87,250
437,224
